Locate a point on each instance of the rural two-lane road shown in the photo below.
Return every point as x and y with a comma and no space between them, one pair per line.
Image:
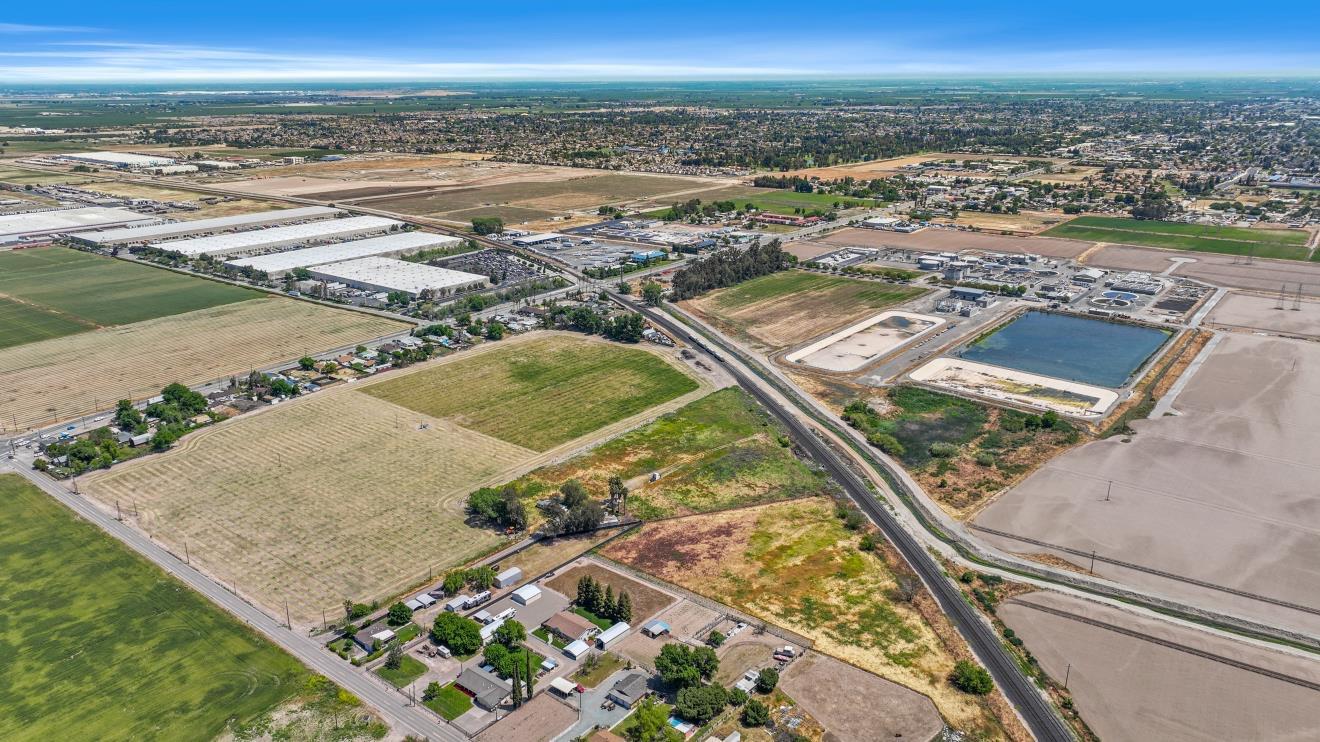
1035,709
392,706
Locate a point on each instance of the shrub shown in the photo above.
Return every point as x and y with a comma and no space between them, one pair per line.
715,639
755,714
887,443
985,459
943,450
867,543
970,677
767,679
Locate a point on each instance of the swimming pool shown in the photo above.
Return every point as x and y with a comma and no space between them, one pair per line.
1069,347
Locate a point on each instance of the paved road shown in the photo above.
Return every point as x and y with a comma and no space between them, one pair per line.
1036,711
391,705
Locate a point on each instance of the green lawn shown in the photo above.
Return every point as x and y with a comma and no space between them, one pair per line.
451,703
551,639
97,290
23,323
96,643
542,392
607,665
409,670
1263,243
872,294
602,623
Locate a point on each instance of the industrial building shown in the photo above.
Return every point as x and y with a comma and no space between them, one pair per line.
132,235
388,274
221,245
39,225
536,239
388,246
118,159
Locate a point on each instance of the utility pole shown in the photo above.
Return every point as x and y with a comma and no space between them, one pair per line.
1066,675
1092,569
186,556
118,515
287,621
1109,491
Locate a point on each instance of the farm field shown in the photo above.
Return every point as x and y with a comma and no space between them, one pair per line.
718,452
24,176
47,381
162,193
1172,498
1263,243
24,323
541,392
102,645
98,291
334,511
795,564
1131,689
789,307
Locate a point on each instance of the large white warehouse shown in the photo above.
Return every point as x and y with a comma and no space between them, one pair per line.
388,246
131,235
118,159
260,240
41,224
388,274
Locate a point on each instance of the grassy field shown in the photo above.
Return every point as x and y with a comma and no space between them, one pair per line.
409,670
1263,243
779,200
46,381
451,702
24,323
796,565
334,496
100,291
541,393
99,644
789,307
718,452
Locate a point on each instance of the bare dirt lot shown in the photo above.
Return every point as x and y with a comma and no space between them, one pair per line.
1132,689
854,704
330,497
541,720
1260,312
647,601
1223,492
953,240
1220,270
160,193
1026,222
58,379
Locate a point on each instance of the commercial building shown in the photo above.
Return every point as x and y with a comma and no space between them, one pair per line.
536,239
388,274
118,159
38,225
261,240
386,246
134,235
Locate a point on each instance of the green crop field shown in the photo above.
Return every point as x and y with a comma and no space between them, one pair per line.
93,290
96,643
1263,243
718,452
23,323
542,392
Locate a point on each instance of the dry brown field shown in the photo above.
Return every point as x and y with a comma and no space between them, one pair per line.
61,378
647,601
951,240
161,193
540,720
1069,174
1130,689
893,166
330,497
1247,312
1221,492
793,564
854,704
1024,223
1220,270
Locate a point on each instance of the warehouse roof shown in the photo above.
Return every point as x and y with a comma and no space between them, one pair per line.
57,221
398,242
120,158
176,229
235,242
389,274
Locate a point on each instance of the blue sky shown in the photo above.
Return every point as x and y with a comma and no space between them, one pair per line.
340,41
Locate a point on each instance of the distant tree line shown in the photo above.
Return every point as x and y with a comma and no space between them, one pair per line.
729,267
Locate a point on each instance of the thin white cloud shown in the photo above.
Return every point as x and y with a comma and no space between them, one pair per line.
29,28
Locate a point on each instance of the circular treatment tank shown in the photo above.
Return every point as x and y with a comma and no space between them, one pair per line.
1126,296
1110,302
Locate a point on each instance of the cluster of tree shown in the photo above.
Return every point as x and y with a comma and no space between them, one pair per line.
477,578
970,677
729,267
650,723
795,182
862,416
435,253
398,614
499,506
699,702
512,661
461,635
129,418
97,451
603,603
178,404
578,513
484,225
684,666
354,611
1002,289
1154,204
624,327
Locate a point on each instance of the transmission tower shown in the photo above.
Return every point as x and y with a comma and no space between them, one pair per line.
1283,294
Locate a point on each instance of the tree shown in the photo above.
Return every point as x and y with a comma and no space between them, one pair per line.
432,691
767,679
618,492
461,635
394,658
683,666
737,696
399,614
531,676
494,331
484,225
970,677
652,293
715,639
481,578
572,493
651,724
307,363
516,684
623,610
128,417
510,633
454,581
755,714
700,703
584,517
608,606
